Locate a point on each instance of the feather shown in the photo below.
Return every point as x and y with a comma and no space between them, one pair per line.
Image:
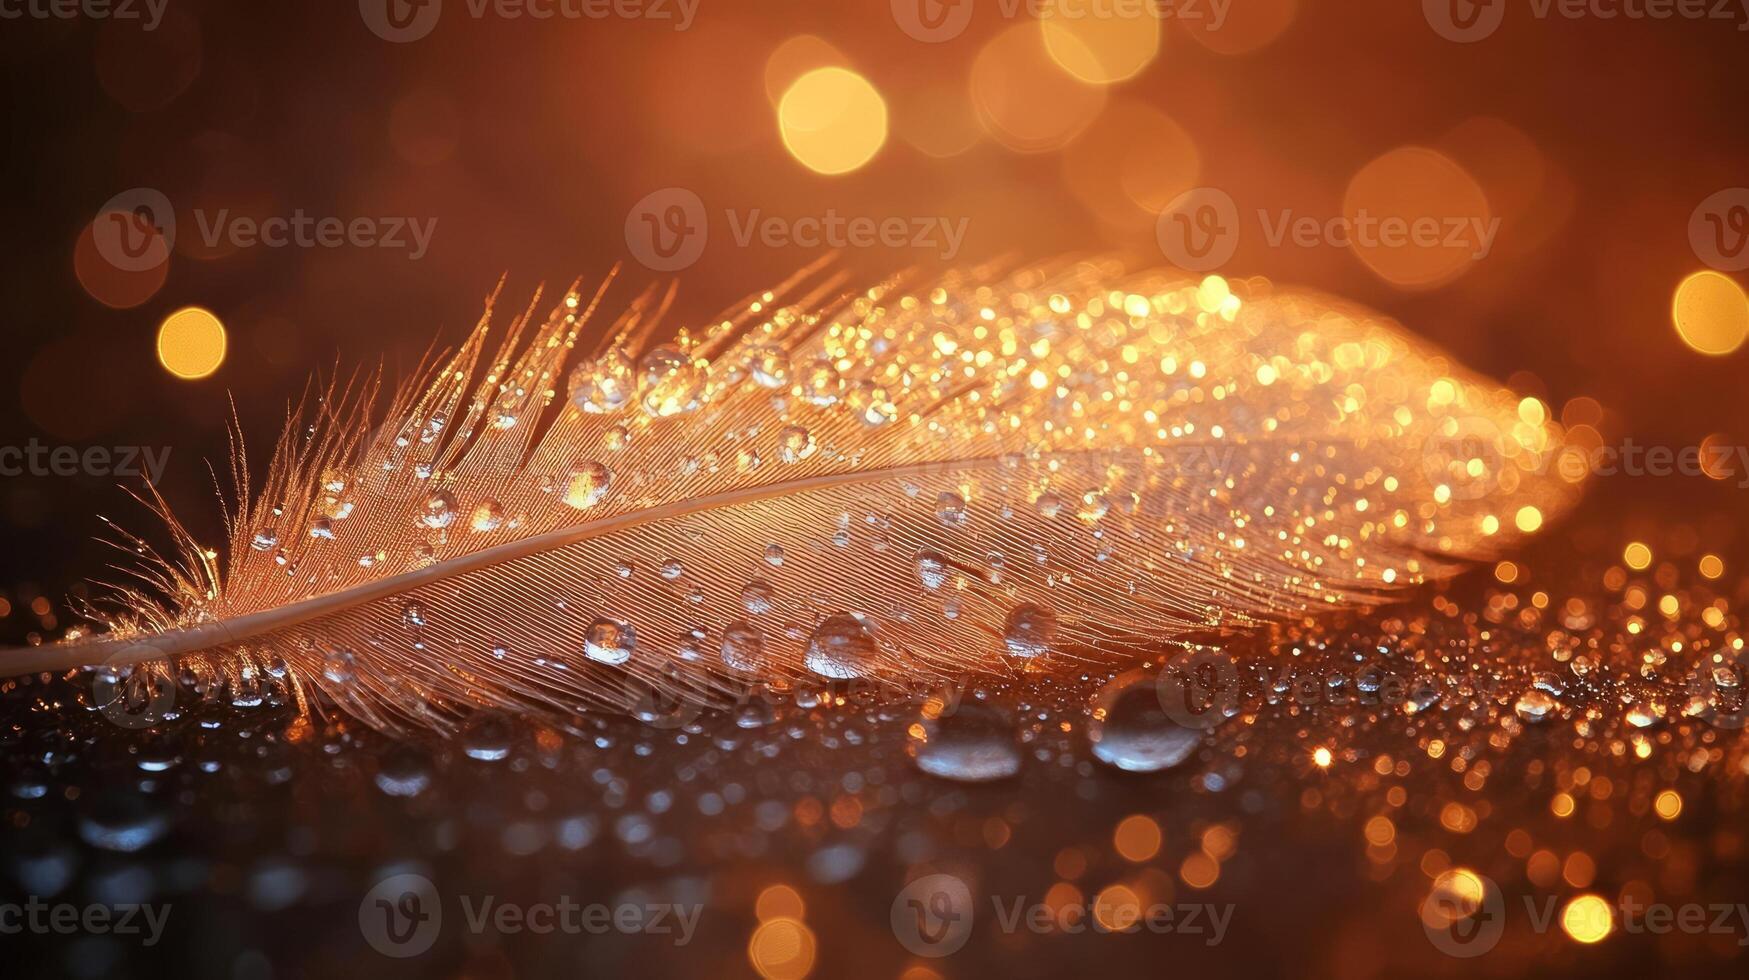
998,471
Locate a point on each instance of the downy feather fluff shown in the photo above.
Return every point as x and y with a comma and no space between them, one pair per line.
992,472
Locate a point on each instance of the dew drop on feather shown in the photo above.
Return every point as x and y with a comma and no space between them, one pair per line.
967,741
609,641
841,648
1130,729
586,484
1029,631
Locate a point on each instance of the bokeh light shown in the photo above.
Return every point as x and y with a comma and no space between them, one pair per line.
782,949
191,343
1239,28
1131,163
832,120
1711,313
1418,219
795,57
1024,100
1097,41
1587,919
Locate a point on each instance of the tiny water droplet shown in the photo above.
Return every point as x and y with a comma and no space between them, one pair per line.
774,555
770,366
931,569
265,540
670,383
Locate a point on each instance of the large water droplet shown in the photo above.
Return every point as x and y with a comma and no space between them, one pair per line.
770,366
840,648
487,736
931,569
603,385
1534,705
439,510
950,509
821,383
1130,730
670,382
609,641
586,484
488,516
743,647
1029,631
969,742
758,597
794,444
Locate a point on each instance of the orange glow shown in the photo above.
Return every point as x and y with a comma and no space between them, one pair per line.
1245,27
1131,163
794,58
1711,313
191,343
779,902
832,120
1097,42
1587,919
1023,100
782,949
1137,838
1418,219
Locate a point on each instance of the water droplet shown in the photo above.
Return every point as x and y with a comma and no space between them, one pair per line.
405,770
413,615
265,540
672,569
1049,505
487,736
586,484
1130,730
770,366
870,404
931,569
794,443
617,437
841,647
322,527
821,383
950,509
1534,705
609,641
337,666
1029,631
671,382
604,385
439,510
488,516
1644,715
758,597
743,647
774,555
968,742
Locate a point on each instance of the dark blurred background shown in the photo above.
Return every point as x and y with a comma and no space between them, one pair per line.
529,141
